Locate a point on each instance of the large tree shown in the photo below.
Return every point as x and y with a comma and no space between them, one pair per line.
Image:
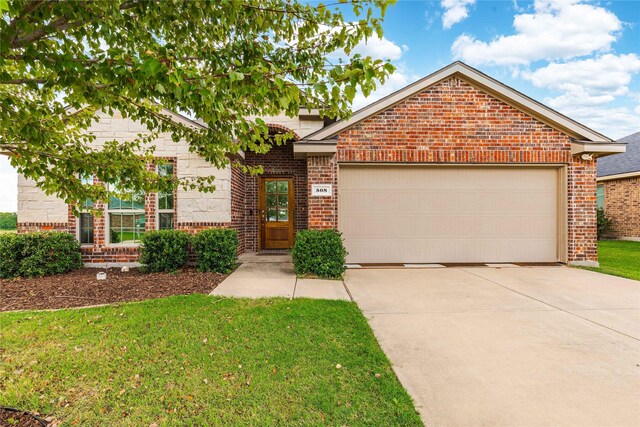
220,61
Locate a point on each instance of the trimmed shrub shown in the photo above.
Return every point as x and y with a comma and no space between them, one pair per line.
605,224
319,253
44,254
10,254
216,250
164,250
8,220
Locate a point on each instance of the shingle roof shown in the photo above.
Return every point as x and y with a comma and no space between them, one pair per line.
622,163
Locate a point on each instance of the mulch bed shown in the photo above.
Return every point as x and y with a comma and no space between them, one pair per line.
81,288
17,418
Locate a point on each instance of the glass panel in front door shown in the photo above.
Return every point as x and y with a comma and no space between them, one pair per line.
277,198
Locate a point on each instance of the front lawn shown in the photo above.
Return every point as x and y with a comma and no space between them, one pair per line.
201,360
619,258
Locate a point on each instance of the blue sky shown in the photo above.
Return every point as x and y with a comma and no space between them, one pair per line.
580,57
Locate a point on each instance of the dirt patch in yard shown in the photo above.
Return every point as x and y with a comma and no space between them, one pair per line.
81,288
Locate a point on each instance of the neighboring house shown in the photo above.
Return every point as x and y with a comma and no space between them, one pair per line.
619,189
455,168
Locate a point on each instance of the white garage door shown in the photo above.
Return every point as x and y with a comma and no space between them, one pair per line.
426,214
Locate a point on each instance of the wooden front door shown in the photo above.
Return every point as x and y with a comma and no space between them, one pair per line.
276,207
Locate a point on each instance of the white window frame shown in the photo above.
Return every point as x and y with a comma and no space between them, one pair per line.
107,223
164,211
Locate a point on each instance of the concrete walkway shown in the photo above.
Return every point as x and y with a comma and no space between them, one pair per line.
271,275
525,346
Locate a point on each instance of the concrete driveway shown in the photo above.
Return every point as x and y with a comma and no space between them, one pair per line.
517,346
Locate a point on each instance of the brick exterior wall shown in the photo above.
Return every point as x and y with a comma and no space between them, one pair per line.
323,210
622,205
32,227
279,161
454,122
582,226
238,206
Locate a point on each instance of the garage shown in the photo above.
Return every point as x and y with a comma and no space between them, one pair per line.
451,214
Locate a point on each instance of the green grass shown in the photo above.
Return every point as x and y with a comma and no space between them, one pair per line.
619,258
8,231
201,360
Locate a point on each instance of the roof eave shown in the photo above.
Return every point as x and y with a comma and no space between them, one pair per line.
304,148
619,176
593,149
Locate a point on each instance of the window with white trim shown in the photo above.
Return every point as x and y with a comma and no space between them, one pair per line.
85,222
166,201
126,216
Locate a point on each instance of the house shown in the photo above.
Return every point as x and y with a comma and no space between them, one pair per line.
454,168
619,189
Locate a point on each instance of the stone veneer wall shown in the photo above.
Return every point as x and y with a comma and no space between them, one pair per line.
455,122
193,210
622,205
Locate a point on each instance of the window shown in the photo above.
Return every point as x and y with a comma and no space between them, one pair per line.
165,201
277,200
85,227
600,196
126,216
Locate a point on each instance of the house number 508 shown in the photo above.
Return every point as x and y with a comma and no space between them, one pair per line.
321,189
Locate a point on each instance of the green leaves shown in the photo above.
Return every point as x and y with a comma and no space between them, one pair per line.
235,76
221,62
151,67
319,253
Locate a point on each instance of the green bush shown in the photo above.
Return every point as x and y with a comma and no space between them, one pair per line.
604,224
216,250
114,237
38,254
10,254
164,250
8,220
319,253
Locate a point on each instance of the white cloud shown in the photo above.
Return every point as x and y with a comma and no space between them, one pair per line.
587,88
396,81
455,11
9,188
380,48
374,46
614,122
606,74
592,81
557,29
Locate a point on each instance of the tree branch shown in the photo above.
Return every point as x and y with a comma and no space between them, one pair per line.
22,81
59,25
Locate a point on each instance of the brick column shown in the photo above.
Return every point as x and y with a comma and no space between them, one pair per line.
582,213
150,211
323,210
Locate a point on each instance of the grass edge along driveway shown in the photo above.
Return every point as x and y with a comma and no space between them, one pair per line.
619,258
201,360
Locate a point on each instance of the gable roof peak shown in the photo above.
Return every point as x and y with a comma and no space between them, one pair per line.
476,78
